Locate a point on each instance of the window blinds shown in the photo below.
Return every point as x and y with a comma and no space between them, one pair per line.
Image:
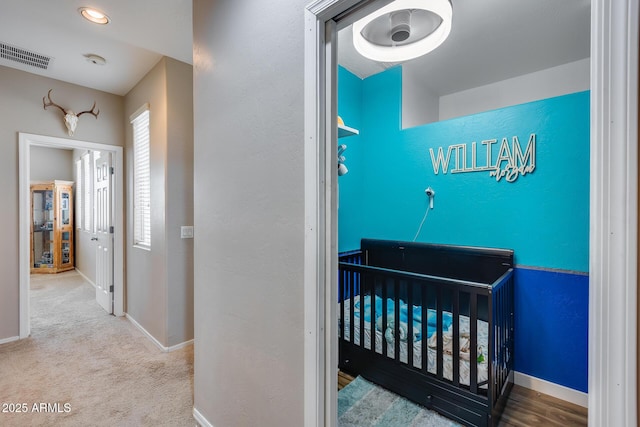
88,192
141,180
78,198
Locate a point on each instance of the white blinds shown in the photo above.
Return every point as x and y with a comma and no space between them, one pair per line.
88,192
78,197
141,180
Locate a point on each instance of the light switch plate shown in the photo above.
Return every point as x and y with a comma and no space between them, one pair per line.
186,232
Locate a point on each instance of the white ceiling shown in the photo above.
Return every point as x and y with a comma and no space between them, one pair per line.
490,40
140,33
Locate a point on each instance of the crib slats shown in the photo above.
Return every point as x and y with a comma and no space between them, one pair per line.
352,316
456,339
362,316
473,350
423,343
410,323
440,334
341,299
384,317
372,323
396,320
499,332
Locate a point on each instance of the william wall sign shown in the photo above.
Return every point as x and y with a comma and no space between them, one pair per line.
512,161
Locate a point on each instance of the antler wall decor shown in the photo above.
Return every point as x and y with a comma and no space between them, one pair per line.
70,118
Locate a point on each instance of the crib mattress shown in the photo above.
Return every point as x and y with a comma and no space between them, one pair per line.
431,342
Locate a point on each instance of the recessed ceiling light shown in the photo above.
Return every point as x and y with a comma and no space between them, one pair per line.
94,15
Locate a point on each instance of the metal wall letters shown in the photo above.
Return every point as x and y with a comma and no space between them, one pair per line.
510,163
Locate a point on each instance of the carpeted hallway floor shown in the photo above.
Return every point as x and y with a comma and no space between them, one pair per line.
83,367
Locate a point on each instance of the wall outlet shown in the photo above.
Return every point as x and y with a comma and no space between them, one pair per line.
186,232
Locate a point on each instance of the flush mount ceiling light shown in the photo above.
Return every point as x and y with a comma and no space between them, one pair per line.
95,59
94,15
403,30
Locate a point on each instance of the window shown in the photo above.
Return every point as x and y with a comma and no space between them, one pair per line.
141,178
78,197
87,195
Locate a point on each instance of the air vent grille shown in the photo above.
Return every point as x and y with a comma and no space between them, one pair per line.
23,56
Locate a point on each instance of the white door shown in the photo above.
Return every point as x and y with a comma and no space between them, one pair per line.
103,231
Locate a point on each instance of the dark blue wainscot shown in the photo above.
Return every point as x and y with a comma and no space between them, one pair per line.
515,178
552,317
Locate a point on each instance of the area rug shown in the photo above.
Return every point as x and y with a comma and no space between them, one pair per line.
364,404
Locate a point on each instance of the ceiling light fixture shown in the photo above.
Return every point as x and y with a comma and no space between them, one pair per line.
95,59
403,30
94,15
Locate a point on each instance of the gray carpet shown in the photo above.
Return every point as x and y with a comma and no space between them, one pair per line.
89,368
364,404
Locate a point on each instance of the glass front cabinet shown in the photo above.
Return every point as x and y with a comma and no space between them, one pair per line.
51,226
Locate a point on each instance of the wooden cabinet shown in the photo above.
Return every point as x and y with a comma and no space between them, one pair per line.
51,226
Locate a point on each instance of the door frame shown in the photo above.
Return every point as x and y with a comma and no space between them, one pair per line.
25,142
613,239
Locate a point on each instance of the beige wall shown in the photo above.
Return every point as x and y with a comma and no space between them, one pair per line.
21,111
179,208
51,163
249,212
159,280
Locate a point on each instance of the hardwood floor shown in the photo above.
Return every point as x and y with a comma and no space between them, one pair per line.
343,380
527,408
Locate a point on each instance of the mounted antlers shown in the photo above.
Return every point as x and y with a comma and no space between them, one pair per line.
70,118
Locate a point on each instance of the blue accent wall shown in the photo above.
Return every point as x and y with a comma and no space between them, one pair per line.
350,110
543,216
552,323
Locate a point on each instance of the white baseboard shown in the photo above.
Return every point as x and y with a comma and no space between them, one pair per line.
200,418
86,278
10,339
556,390
179,346
154,340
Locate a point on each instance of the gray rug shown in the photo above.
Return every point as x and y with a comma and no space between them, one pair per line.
364,404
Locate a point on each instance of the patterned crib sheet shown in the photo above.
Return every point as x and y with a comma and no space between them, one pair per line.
431,341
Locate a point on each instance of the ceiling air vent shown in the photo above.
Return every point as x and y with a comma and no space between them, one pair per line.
23,56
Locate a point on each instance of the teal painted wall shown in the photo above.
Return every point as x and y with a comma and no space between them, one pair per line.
543,216
350,184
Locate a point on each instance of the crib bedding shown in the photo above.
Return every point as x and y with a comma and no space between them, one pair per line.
431,341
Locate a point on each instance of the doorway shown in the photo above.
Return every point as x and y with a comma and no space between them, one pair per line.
26,141
613,210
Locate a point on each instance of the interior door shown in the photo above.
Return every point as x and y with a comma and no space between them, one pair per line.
103,231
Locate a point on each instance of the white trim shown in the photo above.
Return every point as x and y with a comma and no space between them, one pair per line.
555,390
86,278
10,339
316,230
145,332
25,142
179,346
154,340
24,234
613,214
144,107
200,418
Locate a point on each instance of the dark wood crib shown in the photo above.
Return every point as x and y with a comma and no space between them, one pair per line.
389,288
